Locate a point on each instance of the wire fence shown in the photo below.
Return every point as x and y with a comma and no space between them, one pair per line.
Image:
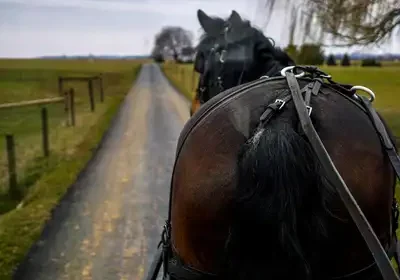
36,135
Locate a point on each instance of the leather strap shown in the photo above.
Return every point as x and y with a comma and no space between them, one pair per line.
179,271
333,176
272,109
155,265
307,97
385,139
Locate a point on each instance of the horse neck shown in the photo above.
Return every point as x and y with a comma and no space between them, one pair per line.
271,60
268,66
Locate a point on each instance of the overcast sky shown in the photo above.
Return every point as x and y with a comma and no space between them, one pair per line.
54,27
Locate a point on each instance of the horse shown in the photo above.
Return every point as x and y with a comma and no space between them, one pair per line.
281,174
213,28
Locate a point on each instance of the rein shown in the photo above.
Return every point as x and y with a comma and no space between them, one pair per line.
356,213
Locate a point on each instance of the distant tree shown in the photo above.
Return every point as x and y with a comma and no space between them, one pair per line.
157,55
158,58
187,50
310,54
355,22
331,60
173,39
370,62
292,51
345,60
186,55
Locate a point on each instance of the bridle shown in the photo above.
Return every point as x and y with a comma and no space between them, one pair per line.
166,255
220,51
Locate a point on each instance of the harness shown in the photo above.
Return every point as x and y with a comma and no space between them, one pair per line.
166,255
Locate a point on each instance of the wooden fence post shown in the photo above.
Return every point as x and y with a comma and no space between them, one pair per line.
101,89
60,87
91,97
12,169
66,105
45,132
72,105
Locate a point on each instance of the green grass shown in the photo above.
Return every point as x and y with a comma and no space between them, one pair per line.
34,79
45,181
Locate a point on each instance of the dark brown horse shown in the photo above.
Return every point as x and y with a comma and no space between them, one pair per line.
249,196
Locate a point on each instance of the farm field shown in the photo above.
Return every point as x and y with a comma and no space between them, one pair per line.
42,181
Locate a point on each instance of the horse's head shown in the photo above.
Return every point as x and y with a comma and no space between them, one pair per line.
232,52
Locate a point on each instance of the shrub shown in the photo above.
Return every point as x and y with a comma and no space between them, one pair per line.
331,60
345,60
370,62
310,54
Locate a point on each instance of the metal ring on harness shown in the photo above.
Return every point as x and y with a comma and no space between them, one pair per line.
284,70
327,76
367,90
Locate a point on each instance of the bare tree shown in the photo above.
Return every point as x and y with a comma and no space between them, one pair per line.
173,39
348,22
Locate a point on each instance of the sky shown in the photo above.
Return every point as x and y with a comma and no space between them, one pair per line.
30,28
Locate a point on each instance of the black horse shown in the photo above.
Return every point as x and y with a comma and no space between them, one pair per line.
254,192
245,52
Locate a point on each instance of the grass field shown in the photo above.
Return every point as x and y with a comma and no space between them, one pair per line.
35,79
43,181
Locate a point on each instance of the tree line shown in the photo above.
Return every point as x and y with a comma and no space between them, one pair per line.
175,41
344,23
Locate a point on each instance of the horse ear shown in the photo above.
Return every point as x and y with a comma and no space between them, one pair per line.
206,22
235,18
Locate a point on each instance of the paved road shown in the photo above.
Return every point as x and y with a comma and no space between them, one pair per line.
108,225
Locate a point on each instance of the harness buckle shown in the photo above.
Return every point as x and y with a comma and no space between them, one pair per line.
309,110
281,103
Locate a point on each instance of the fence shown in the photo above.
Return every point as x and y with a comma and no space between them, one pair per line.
68,99
89,81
